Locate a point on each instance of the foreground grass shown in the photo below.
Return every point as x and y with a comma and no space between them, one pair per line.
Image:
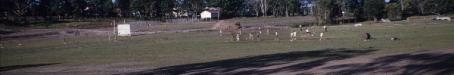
183,48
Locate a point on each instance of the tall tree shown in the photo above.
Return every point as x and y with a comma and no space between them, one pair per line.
144,7
194,6
152,8
123,7
230,8
264,7
77,7
374,9
284,8
324,11
393,11
253,7
19,7
438,6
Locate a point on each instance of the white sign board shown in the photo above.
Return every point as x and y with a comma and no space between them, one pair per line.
124,30
205,15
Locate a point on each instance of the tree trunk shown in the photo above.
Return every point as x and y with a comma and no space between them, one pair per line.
263,5
257,14
286,12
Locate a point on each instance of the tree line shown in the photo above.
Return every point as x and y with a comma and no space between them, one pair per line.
325,11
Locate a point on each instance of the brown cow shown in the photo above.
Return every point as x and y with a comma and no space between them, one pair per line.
366,36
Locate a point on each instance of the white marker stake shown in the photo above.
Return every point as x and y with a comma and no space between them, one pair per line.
237,37
294,35
251,37
267,31
241,31
291,37
277,36
220,32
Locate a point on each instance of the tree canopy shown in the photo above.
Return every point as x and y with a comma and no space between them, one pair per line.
325,11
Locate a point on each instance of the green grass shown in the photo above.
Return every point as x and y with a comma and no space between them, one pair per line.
168,49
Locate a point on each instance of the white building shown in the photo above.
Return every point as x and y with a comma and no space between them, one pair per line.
205,15
211,12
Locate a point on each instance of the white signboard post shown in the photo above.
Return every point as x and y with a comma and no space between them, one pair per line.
124,30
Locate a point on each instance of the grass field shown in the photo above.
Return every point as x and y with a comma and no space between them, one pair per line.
167,49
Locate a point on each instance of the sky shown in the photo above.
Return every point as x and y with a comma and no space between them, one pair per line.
386,1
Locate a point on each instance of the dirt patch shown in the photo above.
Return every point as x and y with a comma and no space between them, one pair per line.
53,33
79,69
332,62
226,25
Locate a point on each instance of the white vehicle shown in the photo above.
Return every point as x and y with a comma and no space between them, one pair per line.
443,18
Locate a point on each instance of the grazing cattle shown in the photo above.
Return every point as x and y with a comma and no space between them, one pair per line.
366,36
308,32
292,36
260,32
301,28
394,39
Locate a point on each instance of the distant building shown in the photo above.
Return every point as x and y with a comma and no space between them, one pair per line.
211,12
178,13
205,15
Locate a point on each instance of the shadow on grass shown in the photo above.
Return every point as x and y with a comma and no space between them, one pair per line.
14,67
402,64
263,64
